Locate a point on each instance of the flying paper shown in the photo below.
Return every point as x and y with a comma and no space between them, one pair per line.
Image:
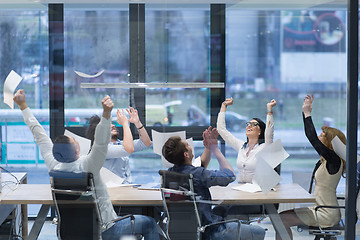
159,140
267,159
110,178
84,75
265,176
274,154
11,82
83,142
340,148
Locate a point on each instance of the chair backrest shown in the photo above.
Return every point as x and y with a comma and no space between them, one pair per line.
179,205
76,205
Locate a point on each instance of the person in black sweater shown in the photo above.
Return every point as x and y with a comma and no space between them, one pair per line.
327,172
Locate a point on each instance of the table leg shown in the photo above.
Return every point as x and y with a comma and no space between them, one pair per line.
24,215
24,220
39,222
276,221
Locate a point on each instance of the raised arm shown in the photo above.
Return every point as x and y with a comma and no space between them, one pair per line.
128,141
230,139
333,161
206,155
42,139
211,143
96,158
134,118
269,130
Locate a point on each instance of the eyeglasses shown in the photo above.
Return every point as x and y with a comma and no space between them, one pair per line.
253,124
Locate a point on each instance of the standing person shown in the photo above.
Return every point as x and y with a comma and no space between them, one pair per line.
258,136
328,171
117,157
178,152
63,155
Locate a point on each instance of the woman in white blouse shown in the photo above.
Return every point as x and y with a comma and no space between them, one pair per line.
258,136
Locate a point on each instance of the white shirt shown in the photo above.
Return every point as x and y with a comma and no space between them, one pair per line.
245,164
117,159
87,163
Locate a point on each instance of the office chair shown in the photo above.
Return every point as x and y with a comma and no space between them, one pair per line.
77,207
181,214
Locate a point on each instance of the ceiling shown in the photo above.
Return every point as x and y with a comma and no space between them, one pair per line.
231,3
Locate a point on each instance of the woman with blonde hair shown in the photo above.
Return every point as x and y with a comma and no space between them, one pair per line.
327,172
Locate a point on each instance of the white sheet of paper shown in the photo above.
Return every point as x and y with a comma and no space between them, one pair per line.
265,176
248,187
273,153
159,139
340,148
84,75
110,178
10,84
83,142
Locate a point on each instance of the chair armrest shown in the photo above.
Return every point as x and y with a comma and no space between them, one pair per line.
123,217
179,192
203,228
325,206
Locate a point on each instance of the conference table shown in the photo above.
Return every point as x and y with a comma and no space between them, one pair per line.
130,196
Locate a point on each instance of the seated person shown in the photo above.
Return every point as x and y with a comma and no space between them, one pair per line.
117,157
178,152
328,171
63,155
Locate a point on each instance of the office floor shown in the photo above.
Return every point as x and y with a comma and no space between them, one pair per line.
49,232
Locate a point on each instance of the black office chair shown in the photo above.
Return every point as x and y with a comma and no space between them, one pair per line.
76,206
182,219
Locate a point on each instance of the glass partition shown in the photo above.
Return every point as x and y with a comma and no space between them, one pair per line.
177,50
101,52
24,49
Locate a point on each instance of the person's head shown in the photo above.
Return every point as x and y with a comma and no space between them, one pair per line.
328,134
66,149
90,130
177,151
255,129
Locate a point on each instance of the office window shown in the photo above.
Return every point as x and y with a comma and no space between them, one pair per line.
96,39
177,50
24,49
285,55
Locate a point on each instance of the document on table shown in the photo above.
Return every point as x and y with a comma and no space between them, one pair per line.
248,187
11,82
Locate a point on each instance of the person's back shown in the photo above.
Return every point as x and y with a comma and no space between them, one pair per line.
63,155
179,153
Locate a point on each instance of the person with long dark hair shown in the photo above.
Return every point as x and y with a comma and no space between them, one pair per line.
258,136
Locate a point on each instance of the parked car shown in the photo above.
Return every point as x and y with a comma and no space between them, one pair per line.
234,121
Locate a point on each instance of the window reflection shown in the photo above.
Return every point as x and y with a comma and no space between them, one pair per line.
177,50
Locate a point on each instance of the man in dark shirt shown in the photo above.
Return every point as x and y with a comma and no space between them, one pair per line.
178,152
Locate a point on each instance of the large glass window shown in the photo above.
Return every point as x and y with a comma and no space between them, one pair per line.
177,50
285,55
96,40
24,49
